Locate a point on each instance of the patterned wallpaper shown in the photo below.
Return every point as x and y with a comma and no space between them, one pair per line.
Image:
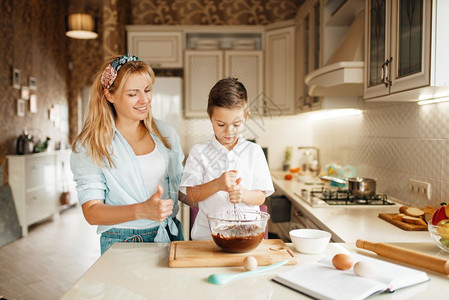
33,41
212,12
115,13
85,59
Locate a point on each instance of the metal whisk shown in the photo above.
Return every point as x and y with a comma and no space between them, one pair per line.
237,213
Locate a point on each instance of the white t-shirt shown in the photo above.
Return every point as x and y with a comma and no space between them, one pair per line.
208,160
153,169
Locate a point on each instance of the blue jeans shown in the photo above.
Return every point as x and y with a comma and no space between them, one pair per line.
125,235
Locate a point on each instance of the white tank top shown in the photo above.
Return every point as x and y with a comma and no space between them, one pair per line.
153,169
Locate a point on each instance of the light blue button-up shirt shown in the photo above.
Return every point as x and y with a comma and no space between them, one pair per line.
124,183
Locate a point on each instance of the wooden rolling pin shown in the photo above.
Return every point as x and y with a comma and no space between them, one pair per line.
411,257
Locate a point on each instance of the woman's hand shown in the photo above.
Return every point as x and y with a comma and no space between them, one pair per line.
155,208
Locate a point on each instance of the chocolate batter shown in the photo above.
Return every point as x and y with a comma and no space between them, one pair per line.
239,243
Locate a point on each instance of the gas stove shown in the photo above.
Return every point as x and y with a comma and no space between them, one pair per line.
331,196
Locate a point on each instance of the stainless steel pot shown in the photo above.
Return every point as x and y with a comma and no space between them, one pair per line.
357,186
362,187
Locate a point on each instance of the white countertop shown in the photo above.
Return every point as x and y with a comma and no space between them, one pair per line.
140,271
349,223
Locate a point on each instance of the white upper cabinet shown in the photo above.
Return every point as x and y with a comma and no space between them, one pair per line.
247,66
203,68
280,71
160,49
216,52
405,50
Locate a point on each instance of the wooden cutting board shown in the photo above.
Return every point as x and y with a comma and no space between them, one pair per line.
401,224
208,254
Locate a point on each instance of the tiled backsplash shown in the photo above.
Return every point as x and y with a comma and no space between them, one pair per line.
392,142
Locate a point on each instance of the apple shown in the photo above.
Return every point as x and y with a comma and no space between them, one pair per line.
445,242
443,228
439,214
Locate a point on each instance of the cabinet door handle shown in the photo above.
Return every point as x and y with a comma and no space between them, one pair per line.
299,214
382,73
388,76
386,73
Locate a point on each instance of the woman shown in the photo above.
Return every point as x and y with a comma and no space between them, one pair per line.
127,165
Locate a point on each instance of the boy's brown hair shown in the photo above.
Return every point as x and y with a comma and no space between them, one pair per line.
227,93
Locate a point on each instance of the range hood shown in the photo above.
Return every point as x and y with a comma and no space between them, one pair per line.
343,73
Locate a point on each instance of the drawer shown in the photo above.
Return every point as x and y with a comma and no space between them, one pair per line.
39,171
40,204
300,220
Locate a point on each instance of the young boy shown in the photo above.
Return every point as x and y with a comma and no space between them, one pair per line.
227,169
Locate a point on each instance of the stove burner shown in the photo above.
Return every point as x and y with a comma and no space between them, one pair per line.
344,197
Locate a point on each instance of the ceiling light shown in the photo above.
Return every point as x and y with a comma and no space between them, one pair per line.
81,26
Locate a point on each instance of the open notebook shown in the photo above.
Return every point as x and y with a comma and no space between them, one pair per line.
321,280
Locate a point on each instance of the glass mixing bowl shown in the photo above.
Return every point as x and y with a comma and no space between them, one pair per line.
440,235
240,232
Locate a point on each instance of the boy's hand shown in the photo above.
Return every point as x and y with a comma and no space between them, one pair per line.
228,180
236,193
155,208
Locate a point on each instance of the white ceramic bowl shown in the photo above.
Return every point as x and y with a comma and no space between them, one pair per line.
310,241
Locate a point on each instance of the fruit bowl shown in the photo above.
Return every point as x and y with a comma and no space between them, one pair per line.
440,235
240,232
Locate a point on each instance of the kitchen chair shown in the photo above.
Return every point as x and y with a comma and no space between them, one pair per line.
194,212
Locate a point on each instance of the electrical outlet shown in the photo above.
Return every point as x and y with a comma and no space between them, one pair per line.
420,188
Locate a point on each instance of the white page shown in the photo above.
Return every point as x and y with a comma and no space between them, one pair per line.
322,280
393,275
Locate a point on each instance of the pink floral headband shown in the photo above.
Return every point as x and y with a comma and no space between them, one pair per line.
110,73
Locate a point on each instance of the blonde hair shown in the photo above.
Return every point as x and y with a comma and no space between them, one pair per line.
98,128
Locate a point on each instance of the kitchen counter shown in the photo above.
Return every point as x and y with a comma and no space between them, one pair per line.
140,271
351,222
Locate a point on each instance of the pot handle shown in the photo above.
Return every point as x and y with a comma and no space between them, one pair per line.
334,179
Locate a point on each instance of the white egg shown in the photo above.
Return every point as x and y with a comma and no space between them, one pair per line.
365,269
250,263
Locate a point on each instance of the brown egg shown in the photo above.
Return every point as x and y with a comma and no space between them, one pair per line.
342,261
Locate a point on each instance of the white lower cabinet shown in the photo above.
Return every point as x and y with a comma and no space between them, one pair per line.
36,184
39,205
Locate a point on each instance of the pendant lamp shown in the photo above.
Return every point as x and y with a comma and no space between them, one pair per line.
81,26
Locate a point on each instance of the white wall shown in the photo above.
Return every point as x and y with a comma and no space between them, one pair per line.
275,133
